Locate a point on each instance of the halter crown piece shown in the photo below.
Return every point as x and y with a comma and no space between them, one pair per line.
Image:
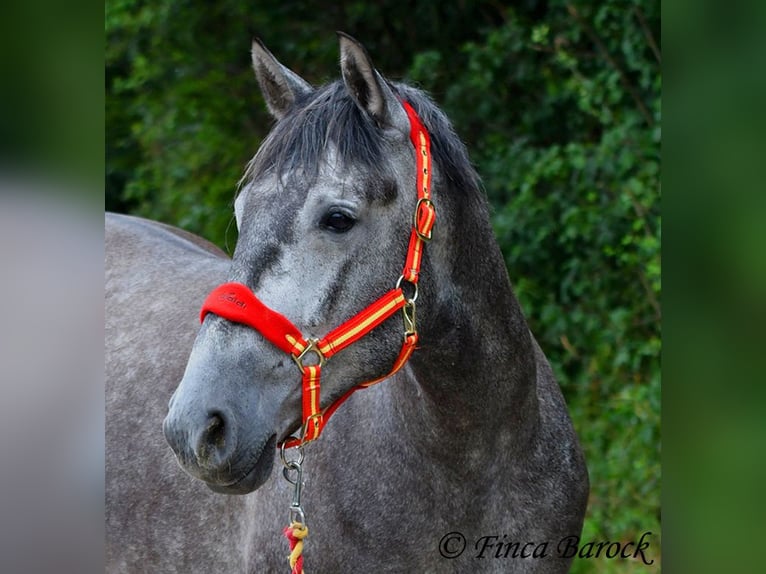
237,303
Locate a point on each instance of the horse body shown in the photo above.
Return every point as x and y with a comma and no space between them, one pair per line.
472,436
156,277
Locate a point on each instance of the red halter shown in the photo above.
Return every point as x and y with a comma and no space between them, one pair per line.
237,303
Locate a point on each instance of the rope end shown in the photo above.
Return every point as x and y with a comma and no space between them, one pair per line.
295,533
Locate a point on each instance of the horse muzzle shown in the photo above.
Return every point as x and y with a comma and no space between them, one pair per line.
208,448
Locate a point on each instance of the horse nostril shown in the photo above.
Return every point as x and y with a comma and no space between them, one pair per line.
216,431
211,446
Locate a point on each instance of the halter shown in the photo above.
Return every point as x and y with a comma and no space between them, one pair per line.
237,303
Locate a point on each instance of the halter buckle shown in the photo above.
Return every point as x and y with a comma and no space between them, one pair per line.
425,233
311,347
316,420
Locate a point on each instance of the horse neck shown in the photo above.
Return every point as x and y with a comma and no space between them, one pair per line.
474,375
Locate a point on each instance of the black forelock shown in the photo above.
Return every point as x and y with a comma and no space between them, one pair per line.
329,116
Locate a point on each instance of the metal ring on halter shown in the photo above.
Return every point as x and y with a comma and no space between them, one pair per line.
288,463
414,285
311,347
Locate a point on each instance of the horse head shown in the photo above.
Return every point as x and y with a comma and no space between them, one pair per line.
325,216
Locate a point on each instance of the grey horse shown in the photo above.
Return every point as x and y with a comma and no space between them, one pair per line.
463,461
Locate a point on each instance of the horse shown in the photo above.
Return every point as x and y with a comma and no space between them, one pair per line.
463,459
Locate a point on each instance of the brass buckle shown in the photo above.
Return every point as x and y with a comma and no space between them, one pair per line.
421,202
311,347
316,419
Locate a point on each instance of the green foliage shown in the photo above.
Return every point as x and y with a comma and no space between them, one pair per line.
562,116
183,109
559,103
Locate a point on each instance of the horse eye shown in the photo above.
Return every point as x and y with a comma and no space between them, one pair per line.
337,221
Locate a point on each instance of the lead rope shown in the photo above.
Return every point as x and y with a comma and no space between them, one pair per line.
297,530
295,533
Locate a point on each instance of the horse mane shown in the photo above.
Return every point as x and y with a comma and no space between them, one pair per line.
329,116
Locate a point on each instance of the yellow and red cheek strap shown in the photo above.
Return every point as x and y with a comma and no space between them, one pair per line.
237,303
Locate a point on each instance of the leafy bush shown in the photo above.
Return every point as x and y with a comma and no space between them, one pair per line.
563,115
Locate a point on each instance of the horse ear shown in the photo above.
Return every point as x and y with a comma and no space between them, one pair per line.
280,86
367,87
